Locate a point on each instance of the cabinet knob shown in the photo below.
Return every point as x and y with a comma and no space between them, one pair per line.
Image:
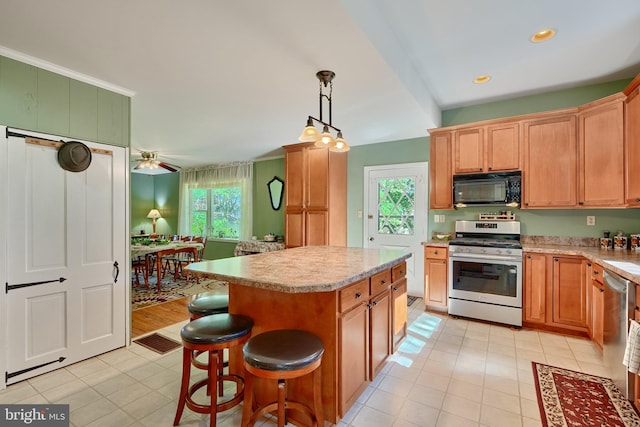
395,289
358,294
369,306
581,203
375,303
638,199
595,273
601,290
383,282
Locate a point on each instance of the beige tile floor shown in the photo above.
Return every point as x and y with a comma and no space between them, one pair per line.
448,372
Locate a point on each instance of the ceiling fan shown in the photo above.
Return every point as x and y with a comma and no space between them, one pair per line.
149,160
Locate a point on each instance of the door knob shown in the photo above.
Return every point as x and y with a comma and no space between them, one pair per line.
371,239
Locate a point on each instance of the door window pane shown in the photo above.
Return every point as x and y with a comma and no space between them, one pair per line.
396,205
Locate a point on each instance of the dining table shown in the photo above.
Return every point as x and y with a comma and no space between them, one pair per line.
147,251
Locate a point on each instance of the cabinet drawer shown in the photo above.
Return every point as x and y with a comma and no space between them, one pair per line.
398,272
435,252
637,298
380,282
597,274
354,295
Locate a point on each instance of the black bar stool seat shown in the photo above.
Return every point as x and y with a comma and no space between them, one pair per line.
208,303
281,355
211,334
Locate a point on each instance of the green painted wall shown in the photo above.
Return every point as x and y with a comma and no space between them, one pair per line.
532,104
142,201
265,219
35,99
395,152
166,193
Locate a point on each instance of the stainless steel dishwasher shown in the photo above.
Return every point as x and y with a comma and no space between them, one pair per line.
619,306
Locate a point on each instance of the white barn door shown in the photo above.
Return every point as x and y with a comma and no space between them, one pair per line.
66,262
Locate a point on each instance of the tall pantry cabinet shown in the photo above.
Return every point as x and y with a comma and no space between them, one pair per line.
315,196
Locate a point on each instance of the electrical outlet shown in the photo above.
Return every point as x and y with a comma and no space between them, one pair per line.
591,220
359,214
438,218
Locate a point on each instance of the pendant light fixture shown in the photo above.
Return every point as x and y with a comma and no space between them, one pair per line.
310,132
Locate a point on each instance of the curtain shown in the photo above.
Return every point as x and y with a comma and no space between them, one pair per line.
218,176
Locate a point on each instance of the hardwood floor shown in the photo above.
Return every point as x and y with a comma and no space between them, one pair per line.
156,317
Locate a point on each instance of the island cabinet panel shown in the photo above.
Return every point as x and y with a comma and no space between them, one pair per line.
354,348
315,196
550,157
440,175
601,153
632,146
379,331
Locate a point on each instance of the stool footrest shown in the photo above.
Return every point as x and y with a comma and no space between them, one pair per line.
205,409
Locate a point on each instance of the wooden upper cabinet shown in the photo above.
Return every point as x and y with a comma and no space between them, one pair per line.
487,148
632,144
550,162
601,153
315,196
503,147
468,149
440,176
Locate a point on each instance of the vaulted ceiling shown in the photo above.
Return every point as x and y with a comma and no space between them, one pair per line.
217,81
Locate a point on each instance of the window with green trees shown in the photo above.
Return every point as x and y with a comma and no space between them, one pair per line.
216,212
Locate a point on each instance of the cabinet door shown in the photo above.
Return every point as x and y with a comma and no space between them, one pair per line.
535,283
569,292
632,148
380,331
317,178
503,147
550,159
601,155
435,282
399,312
440,177
354,372
294,229
294,174
468,150
316,228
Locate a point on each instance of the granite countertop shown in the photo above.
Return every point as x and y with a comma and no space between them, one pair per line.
623,262
301,270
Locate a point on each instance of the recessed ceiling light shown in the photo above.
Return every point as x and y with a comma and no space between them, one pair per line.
543,35
481,79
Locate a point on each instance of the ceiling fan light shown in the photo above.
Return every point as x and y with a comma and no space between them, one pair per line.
543,35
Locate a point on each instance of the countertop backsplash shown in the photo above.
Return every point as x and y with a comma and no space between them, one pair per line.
560,240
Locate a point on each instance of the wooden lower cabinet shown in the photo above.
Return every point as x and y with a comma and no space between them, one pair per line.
595,302
555,293
435,277
372,323
354,369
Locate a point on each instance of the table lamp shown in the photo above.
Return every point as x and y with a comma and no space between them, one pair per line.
155,214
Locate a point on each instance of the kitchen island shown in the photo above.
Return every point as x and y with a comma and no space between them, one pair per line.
354,299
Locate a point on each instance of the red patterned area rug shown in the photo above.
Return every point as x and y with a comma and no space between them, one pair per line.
570,398
141,297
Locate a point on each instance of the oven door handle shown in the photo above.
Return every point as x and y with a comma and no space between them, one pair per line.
485,257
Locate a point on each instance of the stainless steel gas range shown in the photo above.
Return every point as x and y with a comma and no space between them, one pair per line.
485,271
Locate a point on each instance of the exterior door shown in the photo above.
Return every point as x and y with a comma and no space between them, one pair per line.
66,263
397,213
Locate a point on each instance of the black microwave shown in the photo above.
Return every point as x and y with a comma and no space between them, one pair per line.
487,189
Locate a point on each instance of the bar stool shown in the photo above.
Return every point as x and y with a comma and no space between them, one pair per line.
281,355
206,304
211,334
